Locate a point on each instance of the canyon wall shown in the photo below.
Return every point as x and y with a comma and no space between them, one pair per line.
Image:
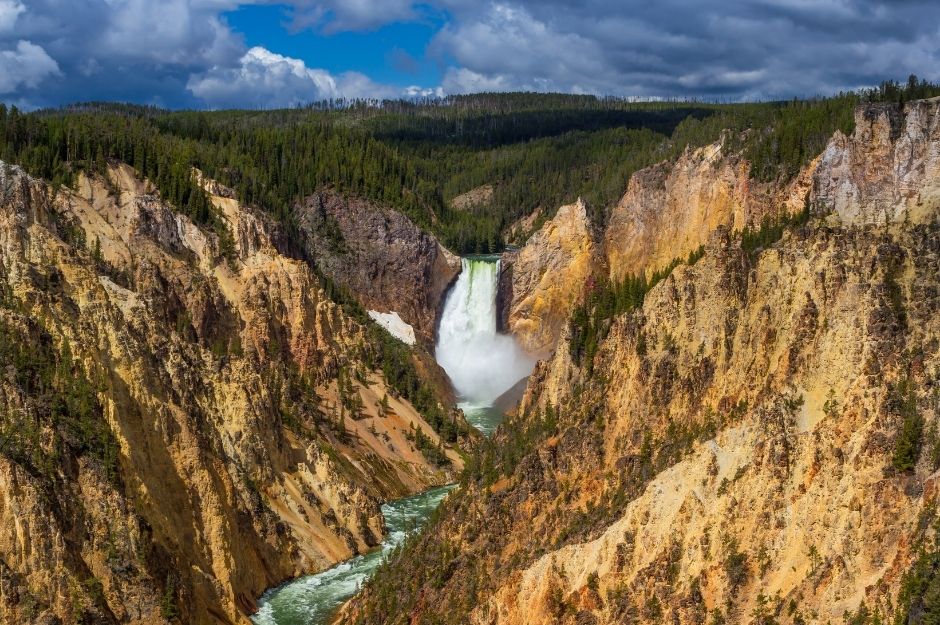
668,210
385,260
888,171
735,449
190,418
756,442
671,209
541,282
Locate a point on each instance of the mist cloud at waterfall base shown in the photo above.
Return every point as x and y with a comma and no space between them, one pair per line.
481,363
483,371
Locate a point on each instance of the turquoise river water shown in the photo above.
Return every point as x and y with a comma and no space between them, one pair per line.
314,600
482,364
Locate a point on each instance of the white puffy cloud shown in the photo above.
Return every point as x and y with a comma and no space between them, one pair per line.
264,79
183,33
9,11
463,80
357,85
26,65
182,52
414,91
130,50
507,48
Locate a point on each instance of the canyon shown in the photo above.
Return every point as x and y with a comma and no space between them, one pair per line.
729,414
248,440
739,447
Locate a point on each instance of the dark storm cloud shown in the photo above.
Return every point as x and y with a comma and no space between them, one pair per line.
183,53
713,48
130,50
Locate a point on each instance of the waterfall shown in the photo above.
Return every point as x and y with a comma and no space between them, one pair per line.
481,363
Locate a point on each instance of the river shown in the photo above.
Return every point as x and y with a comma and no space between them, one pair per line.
482,364
313,600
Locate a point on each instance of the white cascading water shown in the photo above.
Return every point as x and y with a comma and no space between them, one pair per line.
481,363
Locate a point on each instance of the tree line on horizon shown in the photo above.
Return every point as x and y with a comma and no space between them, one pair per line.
538,151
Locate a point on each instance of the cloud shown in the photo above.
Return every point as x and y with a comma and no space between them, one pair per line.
507,48
26,65
333,16
170,32
263,79
463,80
185,53
179,53
9,11
130,50
747,49
415,91
121,32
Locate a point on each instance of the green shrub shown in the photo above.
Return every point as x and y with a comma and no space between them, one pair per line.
735,565
63,399
902,399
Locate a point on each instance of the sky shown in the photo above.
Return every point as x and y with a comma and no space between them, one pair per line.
261,54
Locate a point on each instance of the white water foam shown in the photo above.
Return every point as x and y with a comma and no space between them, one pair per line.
314,600
481,363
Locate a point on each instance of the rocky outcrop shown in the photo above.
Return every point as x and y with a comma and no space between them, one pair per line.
541,282
796,363
233,435
671,209
385,260
473,199
668,211
518,232
888,171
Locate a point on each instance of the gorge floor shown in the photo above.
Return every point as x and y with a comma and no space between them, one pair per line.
483,364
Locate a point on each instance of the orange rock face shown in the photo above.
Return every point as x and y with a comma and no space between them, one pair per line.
239,462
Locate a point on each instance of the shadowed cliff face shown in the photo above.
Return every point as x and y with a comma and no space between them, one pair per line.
742,449
385,260
239,417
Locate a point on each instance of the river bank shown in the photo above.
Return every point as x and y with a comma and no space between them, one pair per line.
483,366
314,599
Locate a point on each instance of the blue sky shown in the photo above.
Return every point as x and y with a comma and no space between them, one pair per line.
277,53
393,53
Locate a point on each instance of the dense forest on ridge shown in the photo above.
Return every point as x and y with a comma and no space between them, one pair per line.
537,151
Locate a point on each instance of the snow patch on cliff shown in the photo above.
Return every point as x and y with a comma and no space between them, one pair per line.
394,325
